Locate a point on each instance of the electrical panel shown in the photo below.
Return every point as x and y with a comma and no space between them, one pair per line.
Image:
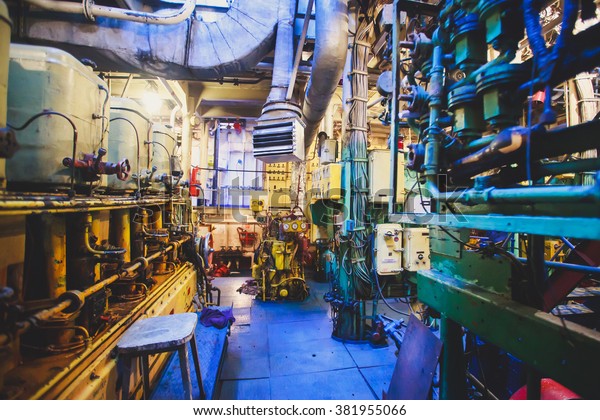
328,151
416,249
379,177
327,182
388,249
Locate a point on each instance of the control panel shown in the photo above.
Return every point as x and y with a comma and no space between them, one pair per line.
416,249
294,224
388,249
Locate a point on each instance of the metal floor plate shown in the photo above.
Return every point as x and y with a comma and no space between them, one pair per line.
347,384
378,378
365,355
246,389
310,356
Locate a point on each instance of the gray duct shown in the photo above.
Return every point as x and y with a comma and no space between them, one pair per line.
192,49
284,52
329,58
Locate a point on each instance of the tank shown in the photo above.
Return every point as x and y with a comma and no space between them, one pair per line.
163,145
122,142
5,25
42,78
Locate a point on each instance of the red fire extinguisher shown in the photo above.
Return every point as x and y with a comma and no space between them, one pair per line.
195,182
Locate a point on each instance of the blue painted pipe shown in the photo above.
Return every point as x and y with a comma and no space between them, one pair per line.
573,267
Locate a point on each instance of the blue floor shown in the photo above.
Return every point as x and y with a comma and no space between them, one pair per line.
281,350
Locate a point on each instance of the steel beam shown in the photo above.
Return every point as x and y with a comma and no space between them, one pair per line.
557,348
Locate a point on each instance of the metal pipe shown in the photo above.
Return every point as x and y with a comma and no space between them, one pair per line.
331,47
47,314
525,195
480,387
283,61
510,175
509,146
452,361
91,11
88,230
299,48
568,266
436,90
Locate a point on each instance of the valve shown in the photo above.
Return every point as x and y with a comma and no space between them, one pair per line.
92,166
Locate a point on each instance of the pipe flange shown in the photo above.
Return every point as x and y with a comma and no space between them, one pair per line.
143,261
76,298
88,6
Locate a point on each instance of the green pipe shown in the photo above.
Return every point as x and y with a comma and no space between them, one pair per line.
452,364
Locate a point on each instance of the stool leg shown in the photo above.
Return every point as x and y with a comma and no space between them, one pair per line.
127,363
185,371
146,374
197,366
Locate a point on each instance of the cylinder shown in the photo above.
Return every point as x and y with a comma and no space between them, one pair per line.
5,25
101,230
42,78
55,253
121,231
129,138
164,144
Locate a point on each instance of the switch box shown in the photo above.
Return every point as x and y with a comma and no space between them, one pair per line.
328,152
416,249
388,249
327,182
379,177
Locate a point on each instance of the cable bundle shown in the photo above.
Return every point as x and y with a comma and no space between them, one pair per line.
357,148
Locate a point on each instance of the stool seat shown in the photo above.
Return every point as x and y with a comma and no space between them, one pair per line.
158,334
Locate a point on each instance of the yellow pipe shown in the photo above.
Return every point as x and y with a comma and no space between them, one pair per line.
122,229
55,251
157,218
46,314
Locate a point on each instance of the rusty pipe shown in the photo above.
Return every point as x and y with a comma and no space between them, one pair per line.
47,314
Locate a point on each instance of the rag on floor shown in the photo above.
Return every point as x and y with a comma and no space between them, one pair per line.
216,318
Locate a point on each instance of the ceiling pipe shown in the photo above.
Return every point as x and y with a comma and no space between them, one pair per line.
277,105
91,11
331,47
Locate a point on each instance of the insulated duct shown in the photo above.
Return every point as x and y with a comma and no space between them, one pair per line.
190,49
279,134
331,47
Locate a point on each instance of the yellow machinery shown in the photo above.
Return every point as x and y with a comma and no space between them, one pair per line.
279,260
77,270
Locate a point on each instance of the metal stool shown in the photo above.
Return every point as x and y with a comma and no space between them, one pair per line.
159,335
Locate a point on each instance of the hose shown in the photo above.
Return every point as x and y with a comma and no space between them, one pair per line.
75,135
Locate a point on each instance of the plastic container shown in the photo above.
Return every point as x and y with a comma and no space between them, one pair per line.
125,114
41,79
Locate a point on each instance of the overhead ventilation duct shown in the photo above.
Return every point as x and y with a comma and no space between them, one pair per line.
279,133
331,47
191,49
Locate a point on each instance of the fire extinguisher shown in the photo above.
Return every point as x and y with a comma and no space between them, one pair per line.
194,182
